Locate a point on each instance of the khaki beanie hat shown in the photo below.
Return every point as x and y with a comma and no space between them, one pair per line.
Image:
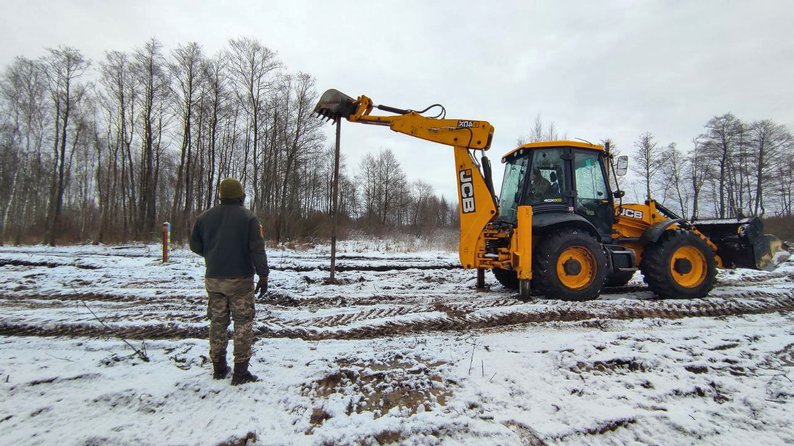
231,189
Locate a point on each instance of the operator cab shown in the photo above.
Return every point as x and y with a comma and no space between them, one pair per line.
557,177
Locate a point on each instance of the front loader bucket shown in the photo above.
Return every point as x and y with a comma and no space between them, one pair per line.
334,105
742,243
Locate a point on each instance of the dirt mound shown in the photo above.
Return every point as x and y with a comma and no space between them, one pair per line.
393,382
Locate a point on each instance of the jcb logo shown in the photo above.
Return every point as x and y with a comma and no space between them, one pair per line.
466,192
465,124
631,213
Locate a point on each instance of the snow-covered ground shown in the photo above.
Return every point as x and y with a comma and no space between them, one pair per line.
403,350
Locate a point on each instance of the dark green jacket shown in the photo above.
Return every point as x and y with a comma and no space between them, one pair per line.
228,238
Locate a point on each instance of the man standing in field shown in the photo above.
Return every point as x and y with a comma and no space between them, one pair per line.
229,238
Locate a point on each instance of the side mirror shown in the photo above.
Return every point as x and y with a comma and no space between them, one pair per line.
623,165
619,194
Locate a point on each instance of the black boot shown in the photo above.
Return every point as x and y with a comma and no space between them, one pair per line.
242,375
220,370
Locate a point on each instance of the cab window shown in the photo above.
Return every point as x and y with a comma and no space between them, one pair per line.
590,184
515,172
546,177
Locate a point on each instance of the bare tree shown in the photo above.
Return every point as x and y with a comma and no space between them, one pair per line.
539,133
420,208
674,167
217,86
152,85
697,171
22,98
785,185
649,161
368,179
118,96
301,139
769,141
186,70
392,187
62,67
252,66
720,143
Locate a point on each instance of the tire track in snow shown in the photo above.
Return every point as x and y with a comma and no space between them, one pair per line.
456,319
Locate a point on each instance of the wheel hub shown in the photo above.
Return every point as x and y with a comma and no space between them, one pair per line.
682,266
688,266
576,267
572,267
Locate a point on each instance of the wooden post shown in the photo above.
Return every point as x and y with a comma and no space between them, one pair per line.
335,198
166,241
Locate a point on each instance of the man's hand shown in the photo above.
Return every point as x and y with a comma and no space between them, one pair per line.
261,287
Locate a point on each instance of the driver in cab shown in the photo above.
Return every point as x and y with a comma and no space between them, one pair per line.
541,188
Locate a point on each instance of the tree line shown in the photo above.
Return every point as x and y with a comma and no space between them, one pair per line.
734,168
106,150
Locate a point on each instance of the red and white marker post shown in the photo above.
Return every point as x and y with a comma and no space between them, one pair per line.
166,241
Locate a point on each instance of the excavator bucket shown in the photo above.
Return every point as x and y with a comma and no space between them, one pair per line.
742,243
334,105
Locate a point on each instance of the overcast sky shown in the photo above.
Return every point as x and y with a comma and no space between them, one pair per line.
597,69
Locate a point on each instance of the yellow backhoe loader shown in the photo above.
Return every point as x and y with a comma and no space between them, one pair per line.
559,228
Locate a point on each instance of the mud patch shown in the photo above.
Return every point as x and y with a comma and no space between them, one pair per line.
368,267
608,426
617,365
727,346
786,356
713,391
526,434
449,310
696,369
17,262
249,438
601,428
388,437
58,379
391,383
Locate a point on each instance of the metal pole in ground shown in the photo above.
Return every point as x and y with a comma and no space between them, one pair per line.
335,194
480,278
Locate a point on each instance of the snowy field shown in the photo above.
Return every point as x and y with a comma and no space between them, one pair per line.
403,350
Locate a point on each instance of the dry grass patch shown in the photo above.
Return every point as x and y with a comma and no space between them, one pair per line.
409,384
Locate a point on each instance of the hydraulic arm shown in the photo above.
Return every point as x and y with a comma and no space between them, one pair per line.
475,191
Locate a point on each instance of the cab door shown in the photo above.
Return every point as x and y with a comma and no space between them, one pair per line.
593,200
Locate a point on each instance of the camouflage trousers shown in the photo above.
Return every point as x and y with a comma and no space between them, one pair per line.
235,298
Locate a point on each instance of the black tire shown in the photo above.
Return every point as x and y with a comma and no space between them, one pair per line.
668,279
508,278
619,278
553,248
